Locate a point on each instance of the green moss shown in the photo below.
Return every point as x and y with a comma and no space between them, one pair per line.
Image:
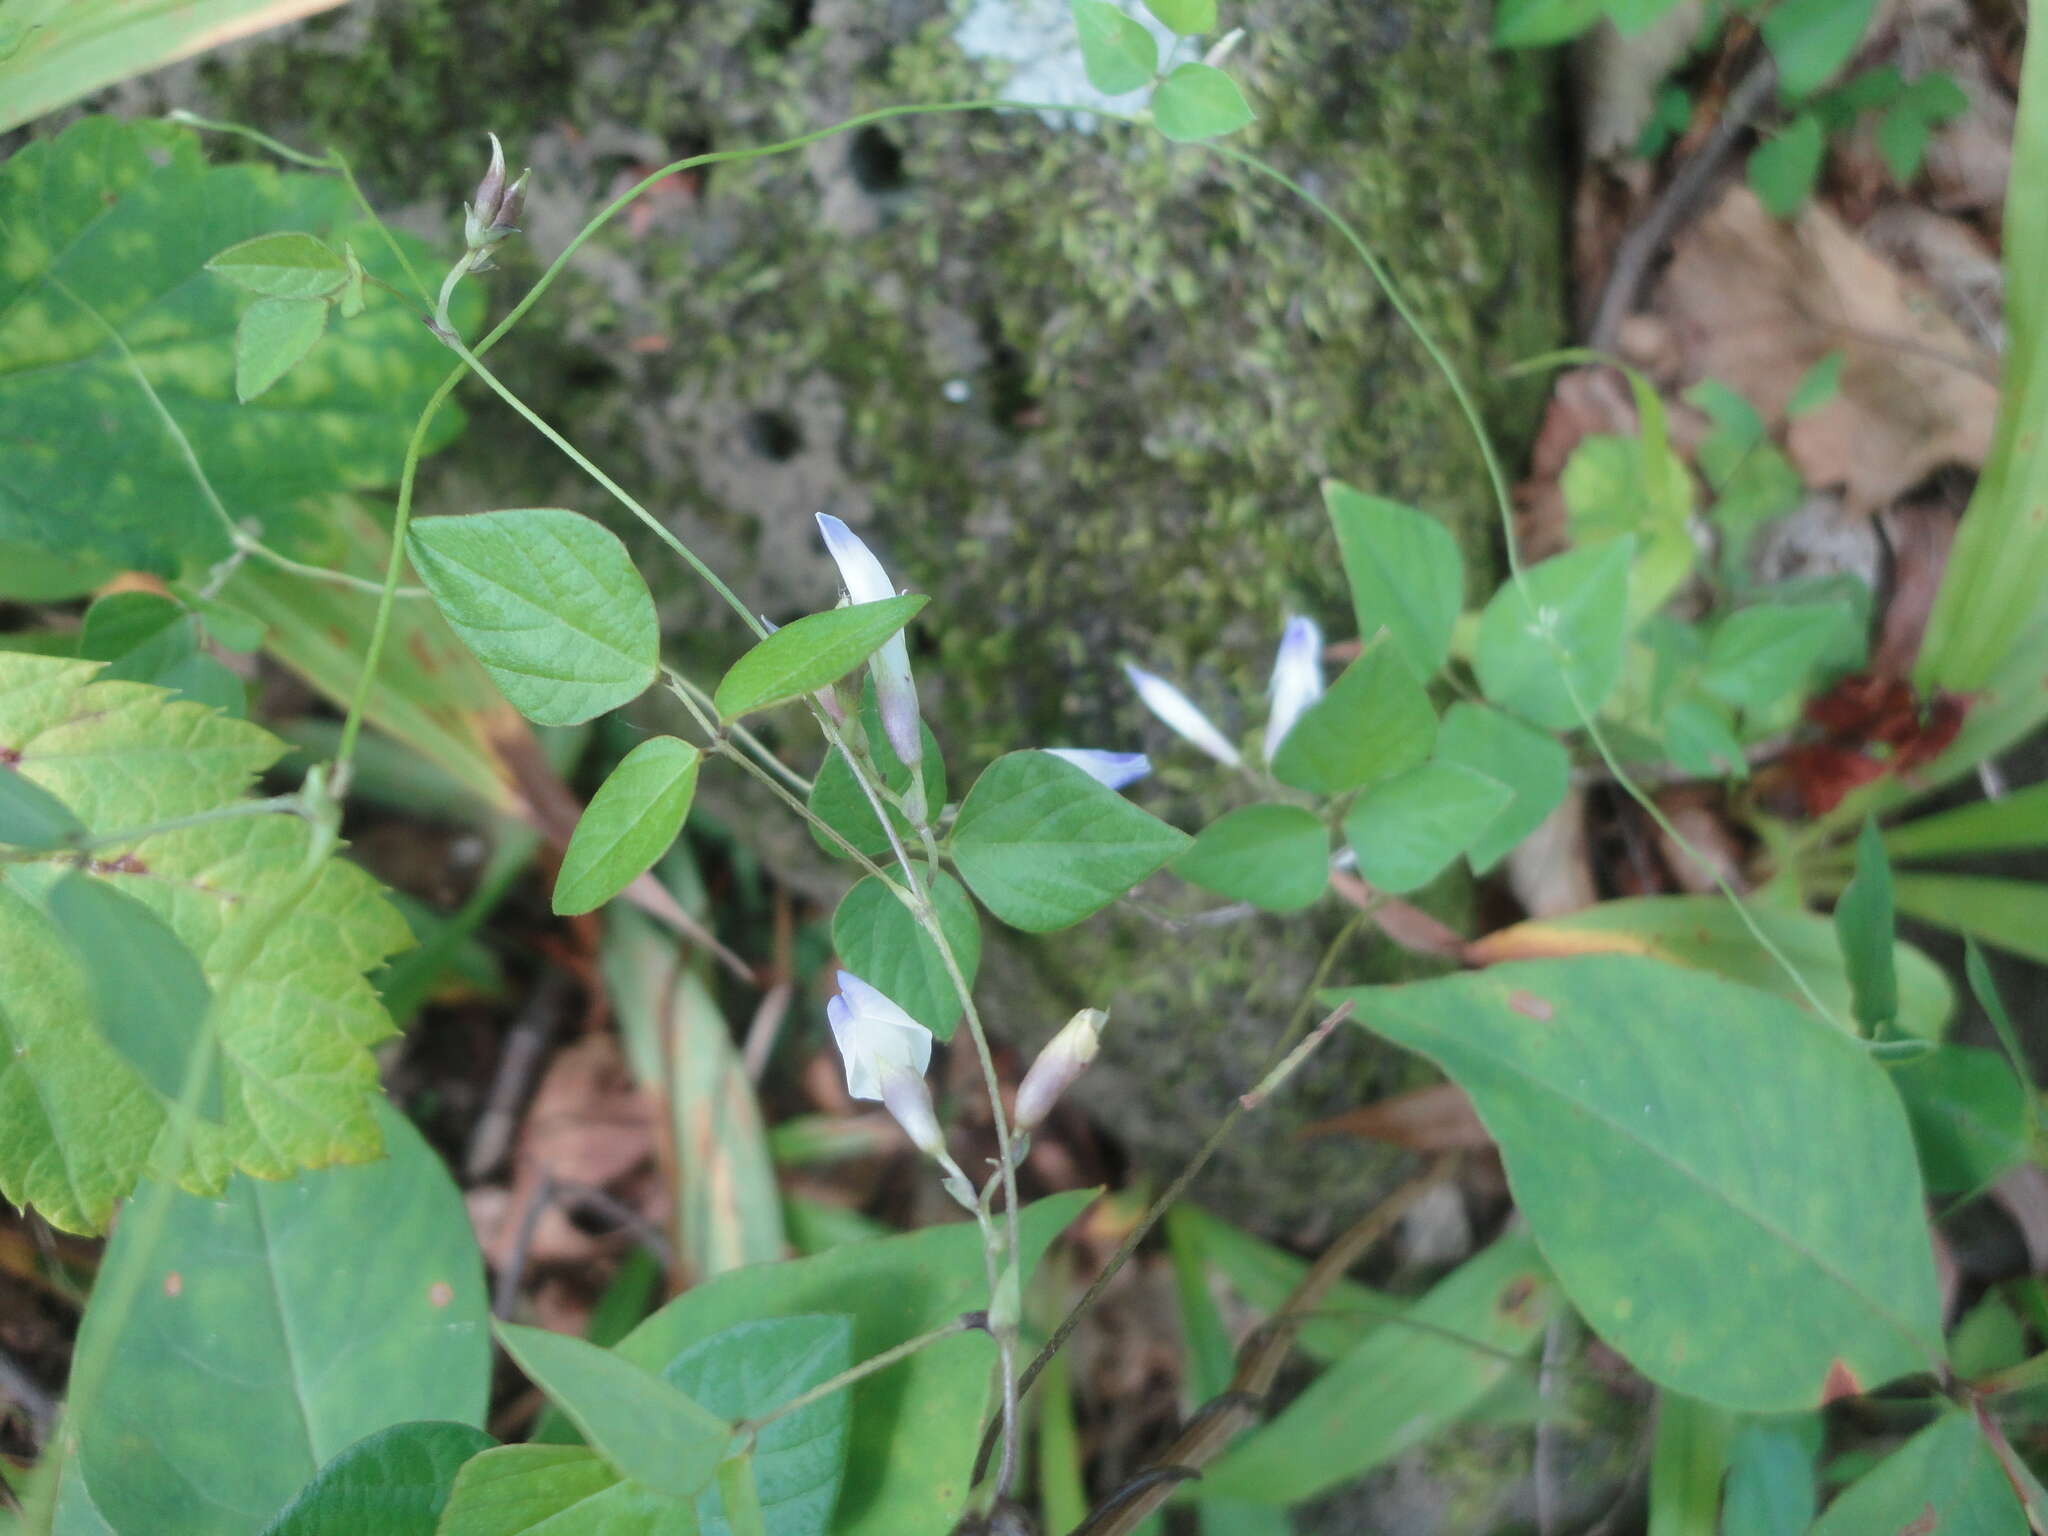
1160,354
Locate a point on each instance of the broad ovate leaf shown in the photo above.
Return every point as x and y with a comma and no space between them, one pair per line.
1405,572
812,653
880,942
1375,721
1407,830
1276,857
643,1426
273,337
1044,845
105,233
1550,644
286,265
1945,1479
1196,102
294,1015
550,603
274,1328
399,1477
630,822
1117,53
1730,1135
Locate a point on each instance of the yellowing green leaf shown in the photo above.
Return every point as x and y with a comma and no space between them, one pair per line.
77,1120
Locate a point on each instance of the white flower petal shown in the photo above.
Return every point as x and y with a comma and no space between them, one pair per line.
1180,715
860,573
874,1036
1116,769
1297,679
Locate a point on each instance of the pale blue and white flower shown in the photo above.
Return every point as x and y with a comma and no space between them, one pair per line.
863,580
1178,712
1115,769
1297,679
875,1036
1297,684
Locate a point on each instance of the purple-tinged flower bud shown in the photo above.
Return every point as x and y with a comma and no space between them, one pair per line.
1065,1057
1115,769
491,190
1297,679
507,221
1178,711
863,580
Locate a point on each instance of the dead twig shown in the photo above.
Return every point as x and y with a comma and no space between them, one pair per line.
1259,1360
518,1064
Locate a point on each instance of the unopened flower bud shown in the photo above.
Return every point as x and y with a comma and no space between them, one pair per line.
1063,1060
491,190
909,1102
507,221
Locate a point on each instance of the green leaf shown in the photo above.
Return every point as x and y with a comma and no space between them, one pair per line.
1407,1381
630,822
1276,857
893,1289
273,337
799,1459
881,943
1902,133
297,1078
1688,1459
1607,489
1043,845
1189,18
549,602
1761,656
1539,23
1816,387
1770,1481
813,653
1969,1115
1633,16
149,639
1559,638
1783,169
1618,1085
1699,736
682,1050
1988,632
1408,830
1374,722
121,217
2011,822
152,1004
1864,928
647,1429
290,265
837,799
30,816
1529,762
1405,573
394,1482
2012,914
270,1333
1198,102
556,1490
1811,39
1116,51
1265,1276
64,49
1707,932
1946,1478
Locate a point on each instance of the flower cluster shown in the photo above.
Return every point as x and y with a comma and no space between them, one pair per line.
1297,683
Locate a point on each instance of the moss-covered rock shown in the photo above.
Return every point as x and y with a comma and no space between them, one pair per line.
1077,383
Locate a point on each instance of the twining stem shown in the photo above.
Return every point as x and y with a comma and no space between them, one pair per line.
1303,1011
854,1373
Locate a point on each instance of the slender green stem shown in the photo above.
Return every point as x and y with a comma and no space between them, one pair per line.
617,492
391,242
255,136
852,1374
740,733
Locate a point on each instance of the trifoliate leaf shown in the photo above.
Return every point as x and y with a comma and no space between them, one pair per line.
106,231
283,950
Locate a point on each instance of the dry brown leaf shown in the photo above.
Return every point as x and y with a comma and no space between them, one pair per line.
1435,1119
589,1127
1756,302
